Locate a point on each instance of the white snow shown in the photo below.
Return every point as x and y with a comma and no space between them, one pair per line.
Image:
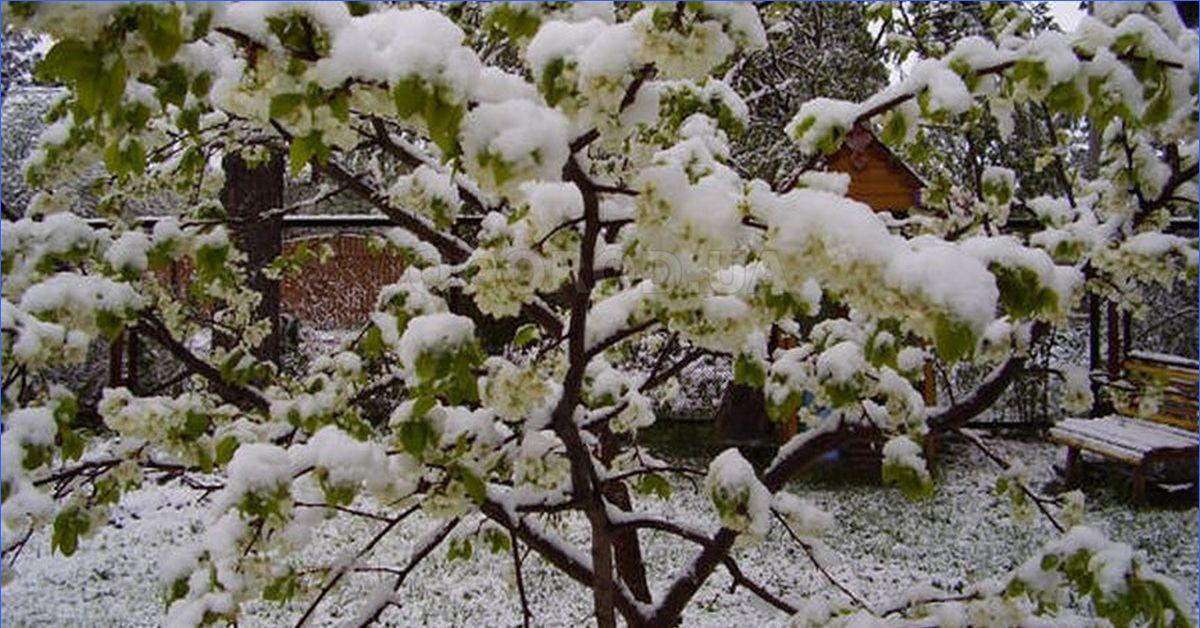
432,333
391,45
883,545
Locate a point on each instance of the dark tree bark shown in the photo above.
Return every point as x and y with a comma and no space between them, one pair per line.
248,194
742,417
627,549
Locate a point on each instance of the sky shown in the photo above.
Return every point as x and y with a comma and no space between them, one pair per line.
1067,13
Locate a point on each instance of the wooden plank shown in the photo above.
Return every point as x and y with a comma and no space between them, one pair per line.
1170,435
1107,450
1164,358
1098,439
1125,439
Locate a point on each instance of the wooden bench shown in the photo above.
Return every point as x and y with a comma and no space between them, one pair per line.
1140,439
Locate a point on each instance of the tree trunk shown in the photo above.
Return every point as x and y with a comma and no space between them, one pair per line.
627,550
247,195
742,417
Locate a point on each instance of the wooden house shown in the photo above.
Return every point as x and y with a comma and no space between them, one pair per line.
878,177
882,181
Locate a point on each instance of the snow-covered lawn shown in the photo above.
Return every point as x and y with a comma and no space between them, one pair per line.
882,545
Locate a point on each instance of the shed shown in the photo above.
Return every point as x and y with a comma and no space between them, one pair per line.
878,177
882,181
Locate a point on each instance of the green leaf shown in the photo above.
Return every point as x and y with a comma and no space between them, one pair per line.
299,35
177,591
337,494
71,443
125,156
749,371
111,88
653,484
497,540
201,23
69,525
339,105
443,120
281,589
372,342
69,60
160,26
422,406
171,83
473,484
306,148
283,105
512,21
415,436
895,128
36,456
106,491
1022,293
954,340
201,84
526,334
550,85
913,484
1065,97
195,425
410,96
1159,108
800,129
225,449
358,9
460,549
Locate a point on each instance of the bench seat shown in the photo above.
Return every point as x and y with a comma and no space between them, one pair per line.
1138,443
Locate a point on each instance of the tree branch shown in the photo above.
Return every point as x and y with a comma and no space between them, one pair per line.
526,614
241,396
424,547
363,551
812,558
1037,500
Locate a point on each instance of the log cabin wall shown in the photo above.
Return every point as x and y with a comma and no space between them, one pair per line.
877,177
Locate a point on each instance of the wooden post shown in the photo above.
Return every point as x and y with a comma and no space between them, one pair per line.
789,428
1139,483
1094,352
249,193
929,395
1114,342
1072,466
116,354
132,349
1126,335
929,385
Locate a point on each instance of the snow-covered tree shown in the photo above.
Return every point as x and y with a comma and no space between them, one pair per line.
599,169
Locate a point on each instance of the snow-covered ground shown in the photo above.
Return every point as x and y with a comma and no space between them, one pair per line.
882,545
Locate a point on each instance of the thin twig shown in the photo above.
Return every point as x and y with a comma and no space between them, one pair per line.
812,558
526,614
1038,500
337,576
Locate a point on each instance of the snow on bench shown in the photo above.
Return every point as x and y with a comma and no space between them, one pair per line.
1135,442
1123,438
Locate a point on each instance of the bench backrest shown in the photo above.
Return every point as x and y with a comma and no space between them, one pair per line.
1172,380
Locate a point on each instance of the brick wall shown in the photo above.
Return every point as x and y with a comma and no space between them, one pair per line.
340,293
